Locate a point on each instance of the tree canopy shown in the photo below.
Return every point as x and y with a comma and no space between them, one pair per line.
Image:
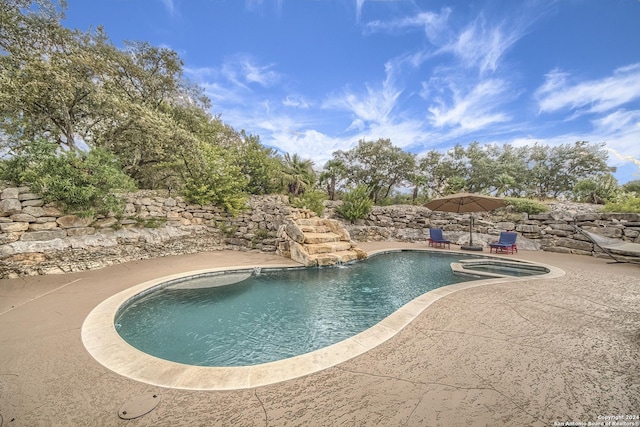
378,165
538,171
78,91
78,97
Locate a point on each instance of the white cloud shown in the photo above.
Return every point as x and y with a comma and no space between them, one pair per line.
481,45
593,96
465,96
170,6
359,4
356,124
220,94
256,5
243,70
471,110
433,24
621,131
374,105
296,102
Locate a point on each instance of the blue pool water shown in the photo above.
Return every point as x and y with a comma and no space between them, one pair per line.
276,314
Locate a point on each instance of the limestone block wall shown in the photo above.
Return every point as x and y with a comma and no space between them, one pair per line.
38,238
552,231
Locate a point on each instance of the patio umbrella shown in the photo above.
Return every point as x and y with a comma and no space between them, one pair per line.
466,202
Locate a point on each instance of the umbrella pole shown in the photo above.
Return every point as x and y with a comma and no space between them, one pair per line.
470,246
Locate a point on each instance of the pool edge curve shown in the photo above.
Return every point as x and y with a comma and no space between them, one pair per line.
108,348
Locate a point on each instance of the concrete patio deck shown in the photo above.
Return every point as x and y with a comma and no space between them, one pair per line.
531,353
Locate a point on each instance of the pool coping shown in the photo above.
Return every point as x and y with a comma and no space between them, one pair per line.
106,346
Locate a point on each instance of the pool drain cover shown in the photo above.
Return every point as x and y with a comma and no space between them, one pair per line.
138,406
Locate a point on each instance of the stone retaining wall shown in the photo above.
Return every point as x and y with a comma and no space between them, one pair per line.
36,238
40,239
553,231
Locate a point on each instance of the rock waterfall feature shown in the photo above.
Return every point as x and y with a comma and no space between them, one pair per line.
314,241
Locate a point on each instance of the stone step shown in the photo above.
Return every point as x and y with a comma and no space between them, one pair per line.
314,228
327,237
325,248
310,221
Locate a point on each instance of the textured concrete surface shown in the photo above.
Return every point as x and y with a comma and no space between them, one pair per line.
532,353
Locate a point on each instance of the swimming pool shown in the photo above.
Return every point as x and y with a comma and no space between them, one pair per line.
107,347
276,314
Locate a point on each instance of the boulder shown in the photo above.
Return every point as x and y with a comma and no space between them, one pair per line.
294,232
73,221
612,232
623,217
337,227
95,240
33,202
35,211
628,232
43,219
574,244
28,196
10,207
9,237
587,217
9,193
80,231
105,222
40,226
36,236
524,228
51,211
12,227
23,217
22,247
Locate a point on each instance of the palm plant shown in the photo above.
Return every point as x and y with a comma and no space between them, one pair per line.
334,171
297,174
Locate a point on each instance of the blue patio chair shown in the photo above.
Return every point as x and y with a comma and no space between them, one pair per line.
506,243
436,240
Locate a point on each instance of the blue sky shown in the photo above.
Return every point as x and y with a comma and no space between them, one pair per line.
315,76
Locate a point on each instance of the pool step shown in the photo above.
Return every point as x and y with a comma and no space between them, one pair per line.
314,241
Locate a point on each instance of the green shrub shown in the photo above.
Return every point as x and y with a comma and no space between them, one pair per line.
79,182
261,233
632,186
596,190
151,222
227,229
356,204
215,179
312,200
224,196
624,203
526,205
